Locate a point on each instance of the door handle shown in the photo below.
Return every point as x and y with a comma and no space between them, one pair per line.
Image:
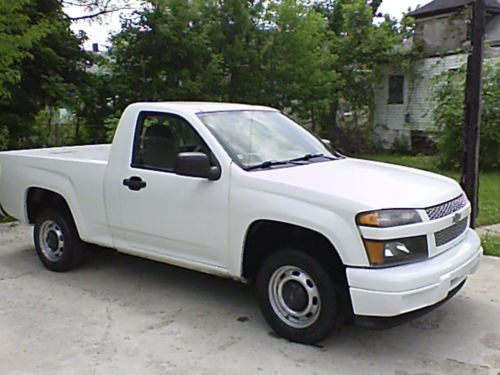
134,183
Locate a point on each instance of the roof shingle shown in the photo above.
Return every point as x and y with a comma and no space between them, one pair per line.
444,6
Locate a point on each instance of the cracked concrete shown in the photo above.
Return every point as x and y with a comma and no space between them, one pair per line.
124,315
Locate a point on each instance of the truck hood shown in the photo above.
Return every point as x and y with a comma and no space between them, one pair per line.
361,184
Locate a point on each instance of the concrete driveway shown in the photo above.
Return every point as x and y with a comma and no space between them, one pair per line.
124,315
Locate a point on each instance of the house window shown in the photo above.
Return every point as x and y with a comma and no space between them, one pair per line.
396,90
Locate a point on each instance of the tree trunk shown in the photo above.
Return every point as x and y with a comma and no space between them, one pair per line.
313,120
77,130
334,107
49,125
57,127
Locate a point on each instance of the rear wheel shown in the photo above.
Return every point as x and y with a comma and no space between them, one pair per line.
57,242
297,296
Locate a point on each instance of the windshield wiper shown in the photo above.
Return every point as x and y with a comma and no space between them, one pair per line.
307,157
267,164
272,163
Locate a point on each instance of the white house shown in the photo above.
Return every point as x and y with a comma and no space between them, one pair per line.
403,108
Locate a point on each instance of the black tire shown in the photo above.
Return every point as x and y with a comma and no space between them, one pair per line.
72,249
328,316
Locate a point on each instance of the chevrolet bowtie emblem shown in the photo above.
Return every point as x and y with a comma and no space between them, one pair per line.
456,218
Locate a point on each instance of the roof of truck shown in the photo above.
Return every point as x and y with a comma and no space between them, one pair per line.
197,107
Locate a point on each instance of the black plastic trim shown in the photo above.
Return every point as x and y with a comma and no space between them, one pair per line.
403,263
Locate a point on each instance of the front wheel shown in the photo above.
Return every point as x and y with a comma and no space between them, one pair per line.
297,296
57,242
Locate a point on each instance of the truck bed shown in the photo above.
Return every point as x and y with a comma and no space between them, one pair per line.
92,153
76,173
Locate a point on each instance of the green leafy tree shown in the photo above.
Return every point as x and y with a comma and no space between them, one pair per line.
163,53
303,58
448,116
237,36
297,58
361,47
45,70
17,35
92,105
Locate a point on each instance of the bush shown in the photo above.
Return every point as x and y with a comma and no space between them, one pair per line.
354,140
401,145
448,96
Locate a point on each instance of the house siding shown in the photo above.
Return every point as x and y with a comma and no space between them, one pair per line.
442,33
493,31
396,121
442,37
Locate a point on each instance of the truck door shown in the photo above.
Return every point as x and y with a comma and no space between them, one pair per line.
164,213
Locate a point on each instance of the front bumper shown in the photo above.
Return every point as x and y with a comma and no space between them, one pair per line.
394,291
384,322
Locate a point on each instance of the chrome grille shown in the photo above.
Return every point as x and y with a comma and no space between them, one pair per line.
449,234
447,208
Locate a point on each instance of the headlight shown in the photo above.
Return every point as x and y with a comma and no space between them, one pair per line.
388,218
397,251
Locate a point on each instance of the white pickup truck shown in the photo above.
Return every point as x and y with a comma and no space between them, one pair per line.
244,192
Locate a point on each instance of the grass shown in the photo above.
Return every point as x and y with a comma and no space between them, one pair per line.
489,183
491,245
4,219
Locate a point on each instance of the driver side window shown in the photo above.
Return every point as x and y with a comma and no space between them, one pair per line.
160,137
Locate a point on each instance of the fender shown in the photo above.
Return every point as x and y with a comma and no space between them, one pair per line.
288,210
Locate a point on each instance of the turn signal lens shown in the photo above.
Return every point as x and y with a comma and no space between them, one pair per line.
388,218
370,219
375,251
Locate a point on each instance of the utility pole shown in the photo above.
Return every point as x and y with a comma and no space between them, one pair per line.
473,108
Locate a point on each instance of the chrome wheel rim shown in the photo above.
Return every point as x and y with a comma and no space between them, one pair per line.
294,297
51,240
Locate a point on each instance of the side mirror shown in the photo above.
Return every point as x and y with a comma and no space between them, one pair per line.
196,164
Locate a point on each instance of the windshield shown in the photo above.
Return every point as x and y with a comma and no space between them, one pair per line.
263,138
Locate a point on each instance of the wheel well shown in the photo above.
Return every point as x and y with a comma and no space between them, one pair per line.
39,200
266,236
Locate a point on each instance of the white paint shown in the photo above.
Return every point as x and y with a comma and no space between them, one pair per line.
203,224
411,287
